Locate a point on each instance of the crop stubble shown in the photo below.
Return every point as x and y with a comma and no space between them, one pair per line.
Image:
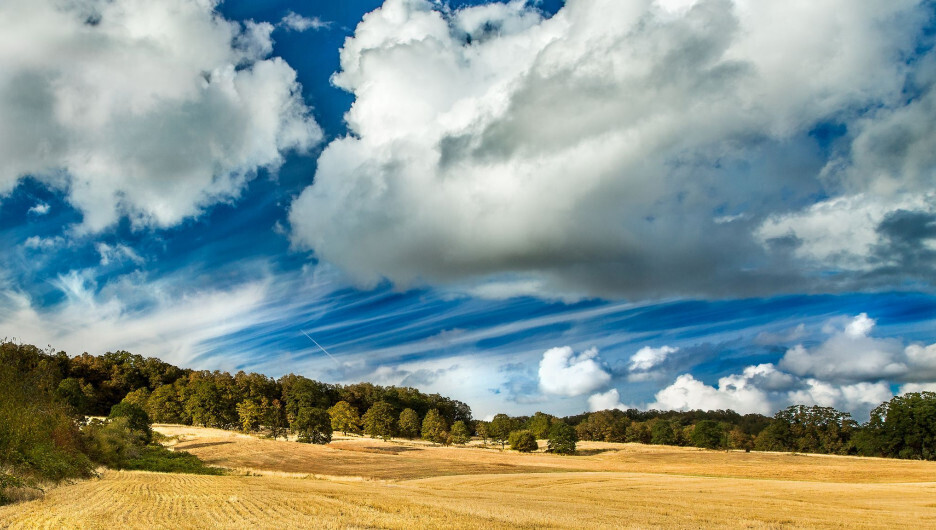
363,483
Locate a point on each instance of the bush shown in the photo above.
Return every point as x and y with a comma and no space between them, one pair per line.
137,418
113,444
158,458
39,438
523,441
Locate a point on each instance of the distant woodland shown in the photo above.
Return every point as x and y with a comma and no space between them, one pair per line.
47,400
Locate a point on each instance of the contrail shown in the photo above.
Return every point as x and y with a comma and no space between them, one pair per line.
320,347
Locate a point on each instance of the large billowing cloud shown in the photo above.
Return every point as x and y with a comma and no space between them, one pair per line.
152,110
631,148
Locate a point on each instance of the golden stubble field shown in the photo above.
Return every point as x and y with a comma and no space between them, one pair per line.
363,483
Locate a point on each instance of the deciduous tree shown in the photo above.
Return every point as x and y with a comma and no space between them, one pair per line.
379,421
344,417
434,428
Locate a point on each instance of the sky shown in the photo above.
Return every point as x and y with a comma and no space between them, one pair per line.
527,206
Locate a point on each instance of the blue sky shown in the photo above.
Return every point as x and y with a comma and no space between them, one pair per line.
526,206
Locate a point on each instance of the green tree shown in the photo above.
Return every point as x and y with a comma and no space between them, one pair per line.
483,428
603,426
344,417
707,434
75,394
662,433
378,421
313,425
904,427
775,437
539,425
409,424
251,413
139,397
523,441
738,439
562,438
275,419
163,405
460,434
639,432
434,428
500,429
137,418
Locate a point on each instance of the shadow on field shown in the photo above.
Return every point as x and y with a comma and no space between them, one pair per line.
185,446
592,452
392,450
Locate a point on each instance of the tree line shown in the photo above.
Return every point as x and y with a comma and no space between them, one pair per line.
46,396
903,427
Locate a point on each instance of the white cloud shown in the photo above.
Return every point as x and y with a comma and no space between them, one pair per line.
740,393
153,110
842,232
916,387
600,151
43,243
647,358
117,253
40,208
852,354
606,401
172,327
564,373
858,398
296,22
850,370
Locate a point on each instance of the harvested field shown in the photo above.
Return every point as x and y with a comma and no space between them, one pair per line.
362,483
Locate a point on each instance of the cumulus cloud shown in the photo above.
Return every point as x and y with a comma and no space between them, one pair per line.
647,357
851,370
763,389
620,148
739,392
152,110
606,401
564,373
851,354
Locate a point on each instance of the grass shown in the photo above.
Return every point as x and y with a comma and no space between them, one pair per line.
363,483
160,459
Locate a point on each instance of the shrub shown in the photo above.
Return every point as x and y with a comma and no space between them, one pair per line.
113,444
158,458
523,441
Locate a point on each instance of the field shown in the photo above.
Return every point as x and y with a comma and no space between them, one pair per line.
363,483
